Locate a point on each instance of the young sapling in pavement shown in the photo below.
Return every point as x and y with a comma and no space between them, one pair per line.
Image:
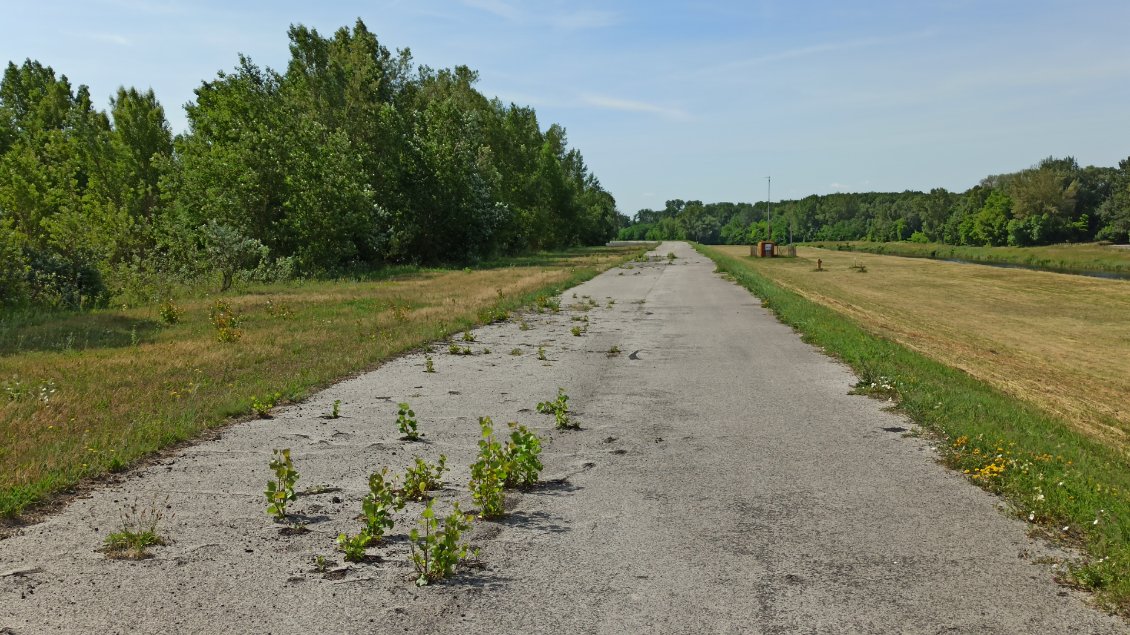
406,421
280,490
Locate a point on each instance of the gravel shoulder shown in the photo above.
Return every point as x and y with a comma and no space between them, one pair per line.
723,481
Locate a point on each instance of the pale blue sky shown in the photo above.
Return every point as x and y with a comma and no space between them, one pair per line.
693,100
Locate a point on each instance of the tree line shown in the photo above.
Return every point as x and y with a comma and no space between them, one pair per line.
351,157
1053,201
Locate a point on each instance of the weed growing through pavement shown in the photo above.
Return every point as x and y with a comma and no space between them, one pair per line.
280,490
576,331
321,565
489,473
137,532
468,336
523,326
379,504
541,353
406,421
353,547
376,511
336,412
437,552
671,256
614,351
423,478
515,351
559,408
522,450
429,365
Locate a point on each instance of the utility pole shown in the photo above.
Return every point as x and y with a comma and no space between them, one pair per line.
768,215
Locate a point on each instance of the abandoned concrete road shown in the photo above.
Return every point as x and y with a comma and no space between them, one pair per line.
723,481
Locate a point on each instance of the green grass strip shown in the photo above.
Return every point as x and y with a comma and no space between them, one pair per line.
1069,486
1075,258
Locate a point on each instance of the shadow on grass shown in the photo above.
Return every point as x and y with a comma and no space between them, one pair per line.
73,332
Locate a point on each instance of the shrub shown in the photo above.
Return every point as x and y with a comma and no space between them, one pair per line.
559,408
489,473
423,478
522,450
170,313
225,321
436,552
378,506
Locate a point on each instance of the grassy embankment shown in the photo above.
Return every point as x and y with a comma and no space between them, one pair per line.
1067,258
86,394
1022,374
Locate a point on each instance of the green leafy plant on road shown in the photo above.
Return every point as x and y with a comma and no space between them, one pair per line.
489,473
379,504
422,478
280,490
406,421
522,450
437,552
353,547
559,408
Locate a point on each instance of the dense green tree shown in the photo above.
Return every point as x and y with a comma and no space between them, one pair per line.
1115,210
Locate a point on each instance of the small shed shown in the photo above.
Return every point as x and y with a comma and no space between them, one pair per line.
763,249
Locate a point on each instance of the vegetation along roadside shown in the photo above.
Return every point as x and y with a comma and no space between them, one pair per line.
1085,258
83,394
1071,486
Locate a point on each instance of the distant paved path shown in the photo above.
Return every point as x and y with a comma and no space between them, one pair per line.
724,482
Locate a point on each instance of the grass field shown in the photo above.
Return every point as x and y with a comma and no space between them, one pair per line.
1059,341
1022,375
86,394
1085,258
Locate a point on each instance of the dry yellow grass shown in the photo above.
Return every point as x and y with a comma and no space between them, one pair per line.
84,394
1059,341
